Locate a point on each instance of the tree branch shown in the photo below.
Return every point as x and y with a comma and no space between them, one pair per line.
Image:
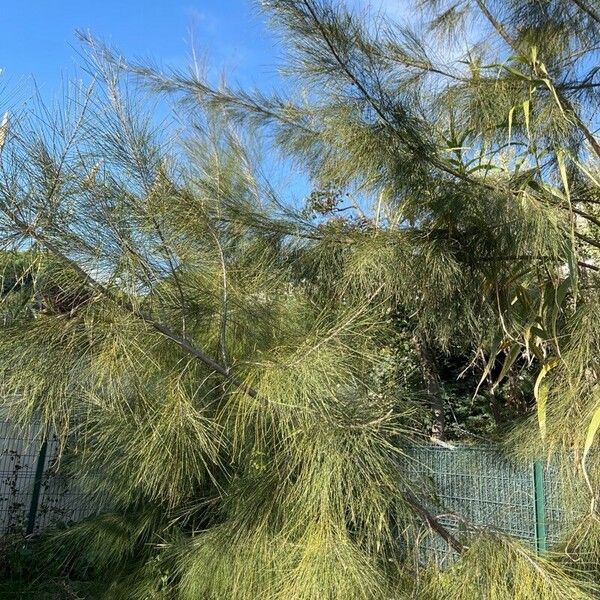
587,9
496,24
354,80
432,522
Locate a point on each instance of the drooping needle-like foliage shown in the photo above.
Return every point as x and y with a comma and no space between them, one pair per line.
210,351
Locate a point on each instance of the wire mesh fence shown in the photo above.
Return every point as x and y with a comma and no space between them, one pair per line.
34,493
482,486
18,455
474,484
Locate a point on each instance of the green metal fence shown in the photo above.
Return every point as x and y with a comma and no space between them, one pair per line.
486,488
34,494
477,482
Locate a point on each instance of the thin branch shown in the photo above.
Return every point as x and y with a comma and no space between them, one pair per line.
578,86
433,522
587,216
496,24
587,9
586,265
587,240
224,301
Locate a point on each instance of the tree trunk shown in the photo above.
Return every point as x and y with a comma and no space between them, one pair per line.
433,384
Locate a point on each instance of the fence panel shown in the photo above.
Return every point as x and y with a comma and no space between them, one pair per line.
488,489
478,483
34,494
18,459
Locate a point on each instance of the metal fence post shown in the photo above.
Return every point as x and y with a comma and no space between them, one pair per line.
539,502
37,487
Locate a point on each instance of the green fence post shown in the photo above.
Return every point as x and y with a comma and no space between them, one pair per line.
539,503
37,487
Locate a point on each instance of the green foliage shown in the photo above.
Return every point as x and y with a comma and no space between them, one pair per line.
236,374
495,567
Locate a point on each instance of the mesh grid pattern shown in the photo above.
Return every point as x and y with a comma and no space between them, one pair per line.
18,459
478,483
485,488
60,501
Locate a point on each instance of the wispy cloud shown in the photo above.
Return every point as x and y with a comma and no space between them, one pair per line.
202,19
401,9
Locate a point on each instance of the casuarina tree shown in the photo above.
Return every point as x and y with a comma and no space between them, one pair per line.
213,353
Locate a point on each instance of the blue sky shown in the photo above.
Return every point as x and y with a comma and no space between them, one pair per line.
38,42
38,39
38,36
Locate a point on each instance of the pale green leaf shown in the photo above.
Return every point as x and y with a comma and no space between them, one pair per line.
540,392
